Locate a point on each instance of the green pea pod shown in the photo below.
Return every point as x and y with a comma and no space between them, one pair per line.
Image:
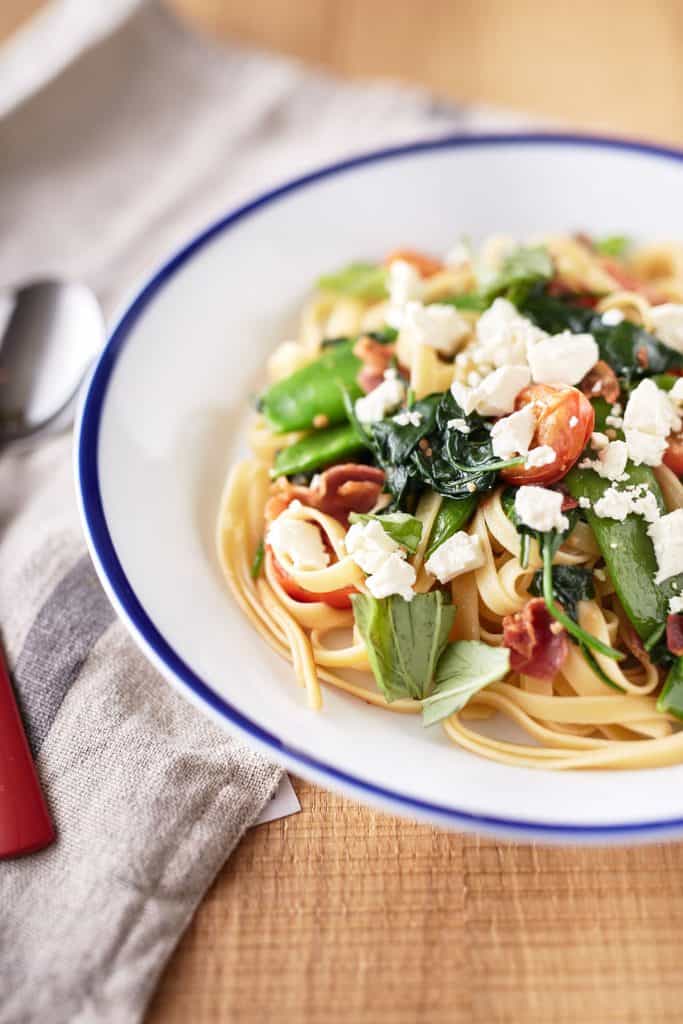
627,550
671,697
452,516
314,390
317,450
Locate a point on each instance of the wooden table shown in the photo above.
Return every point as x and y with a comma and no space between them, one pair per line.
340,914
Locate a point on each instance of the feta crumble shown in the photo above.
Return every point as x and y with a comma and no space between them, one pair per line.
563,358
612,317
298,541
395,576
405,285
611,461
414,419
649,418
666,534
384,399
599,440
540,509
503,335
543,455
459,424
512,435
667,323
676,605
636,500
437,326
459,554
496,394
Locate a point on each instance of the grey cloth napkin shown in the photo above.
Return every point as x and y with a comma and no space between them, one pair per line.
134,146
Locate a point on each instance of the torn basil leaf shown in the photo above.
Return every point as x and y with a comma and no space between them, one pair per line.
464,668
404,639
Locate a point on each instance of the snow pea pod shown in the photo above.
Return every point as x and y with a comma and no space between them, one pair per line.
627,550
315,390
317,450
453,515
671,697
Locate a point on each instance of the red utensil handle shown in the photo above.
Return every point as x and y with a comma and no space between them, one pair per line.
25,824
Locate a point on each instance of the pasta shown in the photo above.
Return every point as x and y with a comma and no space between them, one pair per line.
464,498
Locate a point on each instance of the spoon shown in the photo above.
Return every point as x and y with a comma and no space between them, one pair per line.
52,332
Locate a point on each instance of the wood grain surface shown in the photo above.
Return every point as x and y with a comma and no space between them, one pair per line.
340,914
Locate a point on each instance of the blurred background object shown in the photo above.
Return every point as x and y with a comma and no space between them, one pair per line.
606,66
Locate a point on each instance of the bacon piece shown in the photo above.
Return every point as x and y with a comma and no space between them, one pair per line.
634,643
538,644
376,359
601,382
424,264
674,633
350,487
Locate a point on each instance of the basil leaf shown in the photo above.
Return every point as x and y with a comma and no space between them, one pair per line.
357,280
613,245
404,639
401,527
571,584
464,668
523,268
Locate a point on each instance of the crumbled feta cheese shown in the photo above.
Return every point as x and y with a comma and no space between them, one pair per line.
563,358
676,605
636,500
543,455
584,502
405,285
405,418
459,554
666,534
384,399
612,317
649,418
667,322
370,545
611,461
496,394
676,393
503,335
614,421
459,424
599,440
540,509
395,576
616,409
458,255
512,435
299,541
437,326
573,421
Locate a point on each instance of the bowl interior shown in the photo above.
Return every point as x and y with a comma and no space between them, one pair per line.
165,418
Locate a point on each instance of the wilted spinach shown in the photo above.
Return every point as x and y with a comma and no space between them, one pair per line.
571,584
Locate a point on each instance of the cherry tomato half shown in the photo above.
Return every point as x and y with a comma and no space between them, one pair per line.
673,456
340,599
564,420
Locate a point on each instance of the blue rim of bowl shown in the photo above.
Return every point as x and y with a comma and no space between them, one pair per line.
140,624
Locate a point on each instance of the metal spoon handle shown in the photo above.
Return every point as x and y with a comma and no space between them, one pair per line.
25,824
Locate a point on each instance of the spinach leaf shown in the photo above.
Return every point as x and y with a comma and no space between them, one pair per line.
393,446
454,464
401,527
631,351
464,668
520,270
404,639
671,697
357,280
571,584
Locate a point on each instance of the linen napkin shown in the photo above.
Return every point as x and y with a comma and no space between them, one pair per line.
140,141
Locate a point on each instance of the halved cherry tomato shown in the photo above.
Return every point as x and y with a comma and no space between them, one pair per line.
555,410
340,599
673,456
423,263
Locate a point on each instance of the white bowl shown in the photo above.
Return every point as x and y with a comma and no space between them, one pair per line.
163,421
